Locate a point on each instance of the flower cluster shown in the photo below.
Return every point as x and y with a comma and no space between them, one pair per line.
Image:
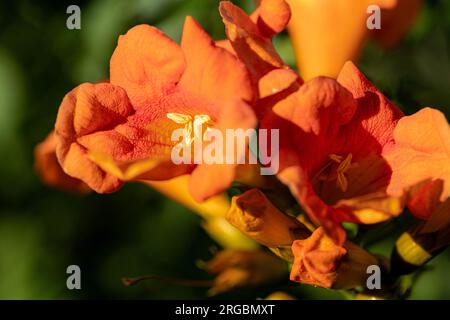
346,153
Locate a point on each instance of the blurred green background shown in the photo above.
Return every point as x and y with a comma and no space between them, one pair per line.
136,231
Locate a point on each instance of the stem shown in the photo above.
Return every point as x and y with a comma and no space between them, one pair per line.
184,282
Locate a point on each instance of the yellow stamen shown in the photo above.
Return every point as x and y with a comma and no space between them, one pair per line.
179,118
335,158
344,166
192,126
199,121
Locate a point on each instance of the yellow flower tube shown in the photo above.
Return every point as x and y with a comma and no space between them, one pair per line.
213,212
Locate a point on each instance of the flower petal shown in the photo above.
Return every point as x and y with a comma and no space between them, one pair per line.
147,64
256,51
210,70
425,197
86,109
50,171
234,115
272,17
376,115
421,152
276,81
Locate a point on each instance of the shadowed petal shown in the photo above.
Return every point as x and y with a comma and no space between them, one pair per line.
422,152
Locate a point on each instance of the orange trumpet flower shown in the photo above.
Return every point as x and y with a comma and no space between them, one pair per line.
113,132
213,211
333,139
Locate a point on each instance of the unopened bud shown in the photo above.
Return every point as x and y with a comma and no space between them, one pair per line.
422,242
253,214
244,268
320,262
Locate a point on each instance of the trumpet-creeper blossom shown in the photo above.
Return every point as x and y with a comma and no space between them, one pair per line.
333,139
118,131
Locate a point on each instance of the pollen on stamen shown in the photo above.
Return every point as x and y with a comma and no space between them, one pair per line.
344,166
335,158
192,125
179,117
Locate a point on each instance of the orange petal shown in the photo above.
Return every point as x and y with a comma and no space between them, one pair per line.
371,208
276,81
139,149
50,171
145,169
78,115
211,71
255,50
319,105
376,114
234,115
76,163
422,152
424,198
226,44
272,17
313,115
147,64
98,107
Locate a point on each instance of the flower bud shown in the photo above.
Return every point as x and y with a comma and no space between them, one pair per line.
244,268
254,215
320,262
422,242
212,211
